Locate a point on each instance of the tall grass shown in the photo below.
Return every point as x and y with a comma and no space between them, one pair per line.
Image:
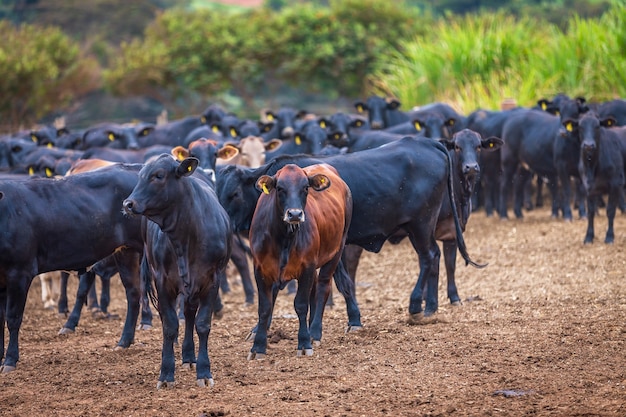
476,61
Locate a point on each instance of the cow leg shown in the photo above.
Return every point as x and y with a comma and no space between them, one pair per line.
611,208
203,329
539,198
449,259
524,178
92,298
105,294
188,349
301,305
265,306
240,259
553,186
346,287
145,280
579,196
13,302
591,213
128,267
62,305
506,182
3,310
429,255
169,320
85,282
180,308
565,193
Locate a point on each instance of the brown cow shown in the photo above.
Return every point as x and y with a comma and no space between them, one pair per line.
292,234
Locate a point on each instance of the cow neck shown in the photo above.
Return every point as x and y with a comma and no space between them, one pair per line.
462,191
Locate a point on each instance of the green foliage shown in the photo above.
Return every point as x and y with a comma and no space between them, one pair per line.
41,70
476,61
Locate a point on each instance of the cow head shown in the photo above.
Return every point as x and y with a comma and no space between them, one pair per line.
466,147
291,187
377,109
589,132
157,186
434,125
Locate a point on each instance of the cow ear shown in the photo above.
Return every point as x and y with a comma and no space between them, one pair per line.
265,184
323,122
543,104
227,152
393,104
357,123
418,125
450,122
63,131
146,131
608,122
187,167
273,144
360,106
319,182
301,114
270,116
570,125
492,143
180,153
215,128
266,127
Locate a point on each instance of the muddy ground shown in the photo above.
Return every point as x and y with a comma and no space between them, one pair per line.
542,331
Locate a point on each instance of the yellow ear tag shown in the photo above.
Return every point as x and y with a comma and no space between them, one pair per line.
203,119
322,181
265,190
33,138
189,168
450,122
359,123
48,172
215,129
418,126
111,137
180,156
558,113
49,145
544,106
31,171
269,117
569,127
359,109
491,144
323,125
298,140
233,132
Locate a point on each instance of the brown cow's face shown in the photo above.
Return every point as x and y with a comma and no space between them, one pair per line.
291,188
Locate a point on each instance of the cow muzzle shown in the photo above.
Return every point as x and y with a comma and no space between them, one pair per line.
130,207
294,216
471,169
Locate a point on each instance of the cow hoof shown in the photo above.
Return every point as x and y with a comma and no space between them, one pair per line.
144,327
218,314
304,352
457,303
416,318
118,347
317,343
250,337
63,315
65,331
5,369
187,366
353,328
254,356
202,382
165,384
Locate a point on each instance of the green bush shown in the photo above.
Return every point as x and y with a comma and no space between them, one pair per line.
41,70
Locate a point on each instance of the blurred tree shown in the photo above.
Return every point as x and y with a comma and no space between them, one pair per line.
41,69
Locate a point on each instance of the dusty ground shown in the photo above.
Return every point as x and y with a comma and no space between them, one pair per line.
544,335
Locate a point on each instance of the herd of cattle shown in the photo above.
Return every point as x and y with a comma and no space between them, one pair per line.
168,205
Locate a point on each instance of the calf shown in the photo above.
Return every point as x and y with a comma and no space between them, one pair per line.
300,224
601,166
187,239
62,224
382,113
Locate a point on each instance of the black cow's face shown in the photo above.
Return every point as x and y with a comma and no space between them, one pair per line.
157,185
291,186
589,135
237,194
377,108
434,125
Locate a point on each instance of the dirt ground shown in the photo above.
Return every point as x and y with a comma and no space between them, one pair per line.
542,331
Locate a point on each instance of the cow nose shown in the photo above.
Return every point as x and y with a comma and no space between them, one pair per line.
287,132
294,216
128,206
377,125
133,147
471,168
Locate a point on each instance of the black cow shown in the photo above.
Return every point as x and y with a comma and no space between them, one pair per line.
340,125
130,156
398,187
171,133
436,120
13,152
62,224
307,138
382,113
187,244
601,165
529,137
285,121
114,135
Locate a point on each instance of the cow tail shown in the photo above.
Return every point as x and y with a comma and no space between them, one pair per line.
146,278
459,231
